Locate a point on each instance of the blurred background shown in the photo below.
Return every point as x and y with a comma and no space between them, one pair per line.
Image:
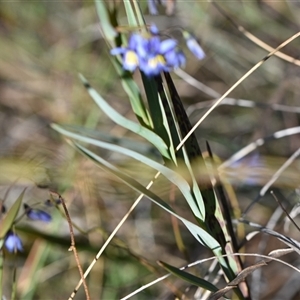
44,46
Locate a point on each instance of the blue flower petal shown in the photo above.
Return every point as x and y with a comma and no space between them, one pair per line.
175,59
117,51
154,30
167,45
195,48
153,45
152,7
154,65
193,45
12,242
135,41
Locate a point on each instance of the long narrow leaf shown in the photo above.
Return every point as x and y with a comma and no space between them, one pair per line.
126,123
174,129
158,113
141,147
132,21
200,234
9,219
174,177
189,277
139,14
102,11
133,92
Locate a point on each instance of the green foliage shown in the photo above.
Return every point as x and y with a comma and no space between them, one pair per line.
189,277
7,222
164,133
136,126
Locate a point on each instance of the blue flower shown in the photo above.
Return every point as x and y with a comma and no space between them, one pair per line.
13,242
154,30
193,45
251,169
130,57
152,7
151,55
37,214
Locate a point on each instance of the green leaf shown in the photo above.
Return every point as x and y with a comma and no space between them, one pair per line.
174,177
102,11
128,83
126,123
199,233
139,13
141,147
133,92
138,107
132,21
189,277
155,108
191,149
11,215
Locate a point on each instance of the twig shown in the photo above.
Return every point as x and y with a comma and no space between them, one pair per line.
268,258
289,40
88,270
275,176
254,39
73,247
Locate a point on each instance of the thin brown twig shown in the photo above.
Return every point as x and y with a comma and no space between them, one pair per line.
73,247
111,236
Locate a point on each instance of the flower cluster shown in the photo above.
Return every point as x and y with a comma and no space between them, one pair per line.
153,55
12,241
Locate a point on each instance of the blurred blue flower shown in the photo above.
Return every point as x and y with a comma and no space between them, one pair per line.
130,58
251,170
169,4
37,214
152,7
12,242
153,29
152,55
193,45
157,56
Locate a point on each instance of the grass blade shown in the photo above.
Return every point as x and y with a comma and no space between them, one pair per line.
174,177
189,277
102,11
9,219
126,123
200,234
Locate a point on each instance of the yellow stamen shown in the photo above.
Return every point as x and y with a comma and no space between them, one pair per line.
131,58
